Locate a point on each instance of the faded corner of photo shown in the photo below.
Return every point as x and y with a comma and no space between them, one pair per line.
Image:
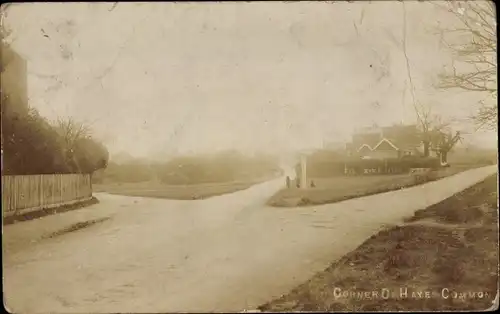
249,156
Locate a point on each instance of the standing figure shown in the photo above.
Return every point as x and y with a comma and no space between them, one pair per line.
287,182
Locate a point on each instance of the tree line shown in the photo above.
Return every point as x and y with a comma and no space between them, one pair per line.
32,145
214,168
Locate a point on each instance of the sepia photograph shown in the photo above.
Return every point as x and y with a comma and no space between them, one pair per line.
258,156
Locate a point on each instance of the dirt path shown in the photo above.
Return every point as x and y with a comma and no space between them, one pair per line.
226,253
444,259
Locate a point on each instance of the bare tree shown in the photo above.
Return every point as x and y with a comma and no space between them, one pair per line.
443,143
435,132
430,124
81,150
474,44
70,132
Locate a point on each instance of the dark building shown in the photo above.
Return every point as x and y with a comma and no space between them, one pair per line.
14,85
14,82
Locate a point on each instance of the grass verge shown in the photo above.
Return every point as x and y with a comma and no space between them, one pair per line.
443,258
181,192
75,227
48,211
342,188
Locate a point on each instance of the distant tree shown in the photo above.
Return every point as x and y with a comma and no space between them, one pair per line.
442,144
225,166
127,172
432,129
436,134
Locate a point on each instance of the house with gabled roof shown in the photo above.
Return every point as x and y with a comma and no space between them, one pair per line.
386,142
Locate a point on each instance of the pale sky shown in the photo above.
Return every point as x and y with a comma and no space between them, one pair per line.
158,78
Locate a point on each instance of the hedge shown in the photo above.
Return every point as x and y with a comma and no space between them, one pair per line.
398,164
392,165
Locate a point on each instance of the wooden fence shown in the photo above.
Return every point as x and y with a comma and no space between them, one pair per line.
32,192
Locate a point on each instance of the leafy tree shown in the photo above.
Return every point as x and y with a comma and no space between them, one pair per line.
31,146
89,155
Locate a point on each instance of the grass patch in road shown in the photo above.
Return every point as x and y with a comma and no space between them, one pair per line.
76,226
341,188
446,248
48,211
175,192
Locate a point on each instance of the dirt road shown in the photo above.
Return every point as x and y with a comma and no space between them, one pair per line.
226,253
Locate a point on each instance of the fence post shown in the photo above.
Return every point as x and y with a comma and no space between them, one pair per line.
90,187
28,192
41,190
52,194
59,184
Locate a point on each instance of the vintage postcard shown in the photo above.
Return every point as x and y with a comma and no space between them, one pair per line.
332,156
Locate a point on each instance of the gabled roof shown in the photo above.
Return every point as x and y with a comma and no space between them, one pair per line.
365,146
384,140
400,137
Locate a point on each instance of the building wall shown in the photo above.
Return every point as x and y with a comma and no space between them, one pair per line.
382,154
14,82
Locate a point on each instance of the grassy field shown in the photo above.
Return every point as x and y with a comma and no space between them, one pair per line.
443,258
177,192
336,189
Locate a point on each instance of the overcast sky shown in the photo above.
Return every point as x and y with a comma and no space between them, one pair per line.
196,77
